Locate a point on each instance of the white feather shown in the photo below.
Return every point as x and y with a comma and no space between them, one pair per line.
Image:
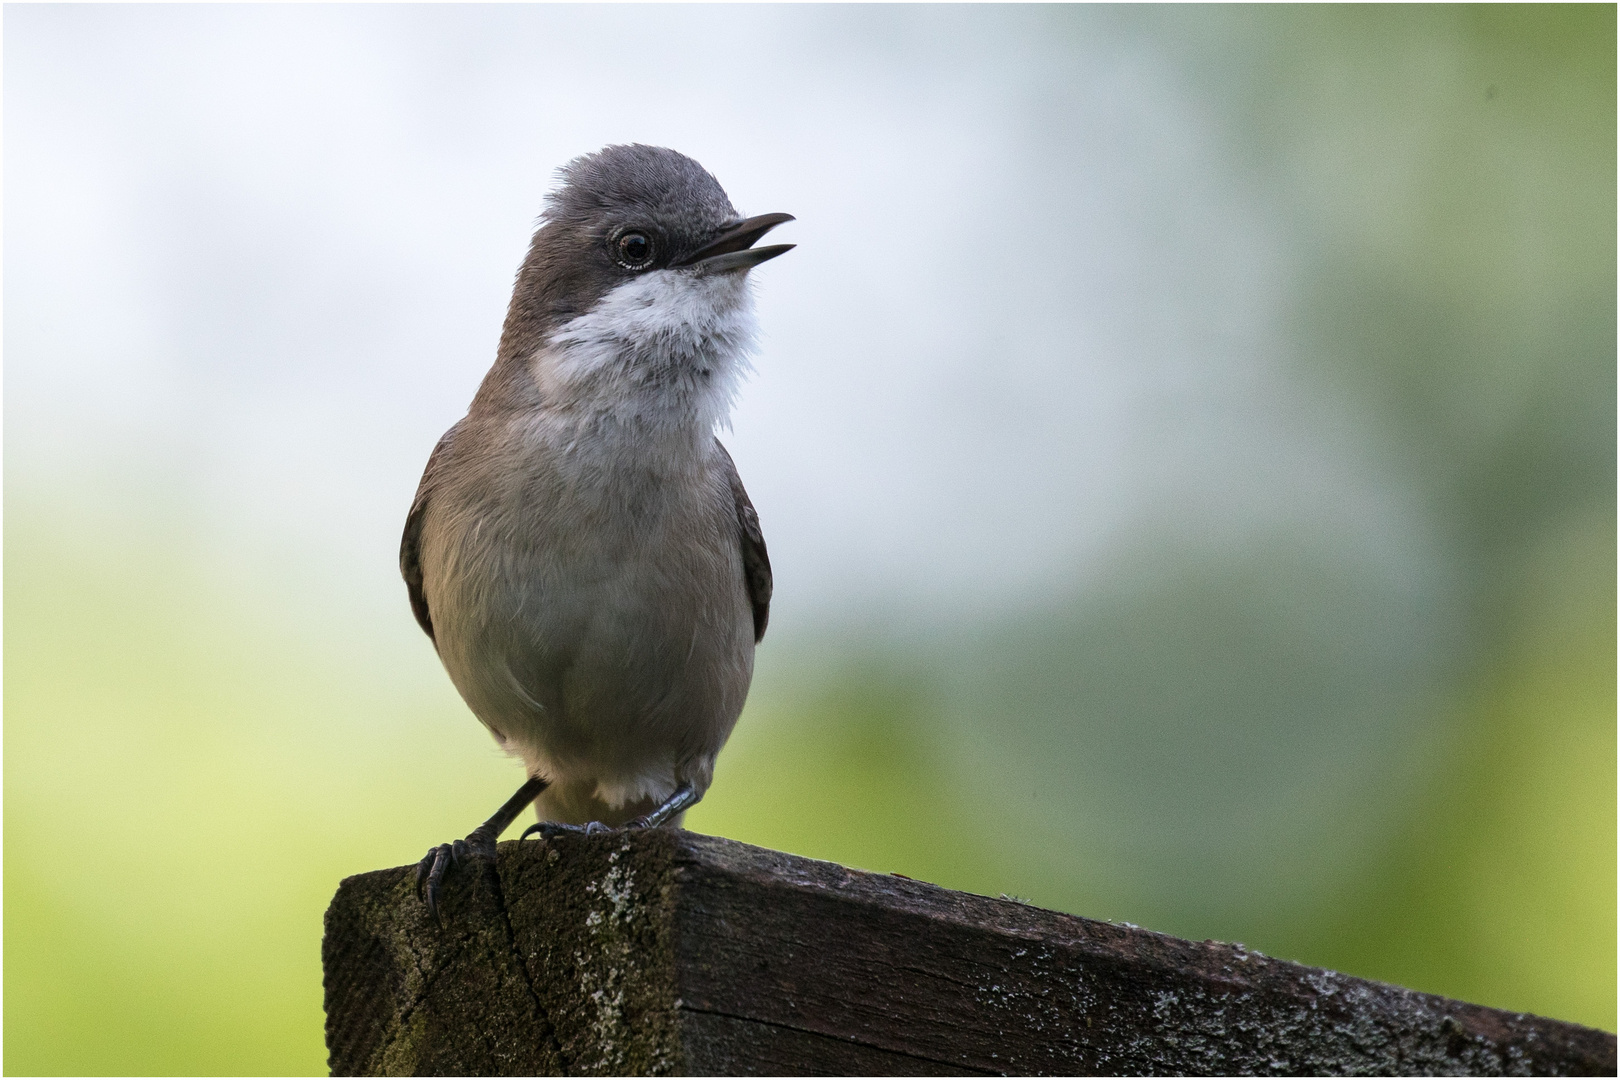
662,354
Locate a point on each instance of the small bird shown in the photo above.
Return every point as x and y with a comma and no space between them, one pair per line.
581,550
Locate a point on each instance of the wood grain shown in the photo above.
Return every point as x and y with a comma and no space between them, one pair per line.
667,953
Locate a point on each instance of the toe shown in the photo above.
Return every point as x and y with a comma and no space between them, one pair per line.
424,869
556,828
441,857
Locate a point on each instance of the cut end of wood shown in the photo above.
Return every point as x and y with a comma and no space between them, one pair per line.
663,952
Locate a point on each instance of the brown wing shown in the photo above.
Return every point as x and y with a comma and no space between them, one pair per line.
410,553
756,563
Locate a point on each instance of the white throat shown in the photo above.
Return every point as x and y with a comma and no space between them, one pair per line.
657,358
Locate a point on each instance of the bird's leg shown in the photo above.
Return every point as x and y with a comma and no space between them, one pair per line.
480,843
684,798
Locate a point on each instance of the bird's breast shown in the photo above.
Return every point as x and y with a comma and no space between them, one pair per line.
593,609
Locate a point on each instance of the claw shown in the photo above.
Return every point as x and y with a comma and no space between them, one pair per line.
479,844
553,828
547,829
429,873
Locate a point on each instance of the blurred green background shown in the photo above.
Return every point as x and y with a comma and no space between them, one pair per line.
1377,736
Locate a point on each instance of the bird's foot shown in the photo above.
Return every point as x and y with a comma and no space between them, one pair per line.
685,796
547,829
479,844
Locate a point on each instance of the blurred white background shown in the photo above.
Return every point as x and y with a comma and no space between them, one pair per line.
268,252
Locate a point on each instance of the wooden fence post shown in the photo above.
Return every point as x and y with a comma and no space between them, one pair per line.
667,952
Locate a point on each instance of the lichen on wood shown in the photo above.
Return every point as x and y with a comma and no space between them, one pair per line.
665,953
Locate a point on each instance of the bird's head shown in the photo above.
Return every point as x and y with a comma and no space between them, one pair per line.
639,248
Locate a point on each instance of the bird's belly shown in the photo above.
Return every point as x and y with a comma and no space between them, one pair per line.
613,662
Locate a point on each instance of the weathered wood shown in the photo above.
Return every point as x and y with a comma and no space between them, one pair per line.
665,952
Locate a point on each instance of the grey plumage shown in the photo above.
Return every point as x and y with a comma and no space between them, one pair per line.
581,549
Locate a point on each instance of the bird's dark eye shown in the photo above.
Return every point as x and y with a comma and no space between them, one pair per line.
634,250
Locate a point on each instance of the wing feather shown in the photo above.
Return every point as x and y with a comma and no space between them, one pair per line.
756,562
410,545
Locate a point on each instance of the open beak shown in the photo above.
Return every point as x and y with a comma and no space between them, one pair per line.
734,248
